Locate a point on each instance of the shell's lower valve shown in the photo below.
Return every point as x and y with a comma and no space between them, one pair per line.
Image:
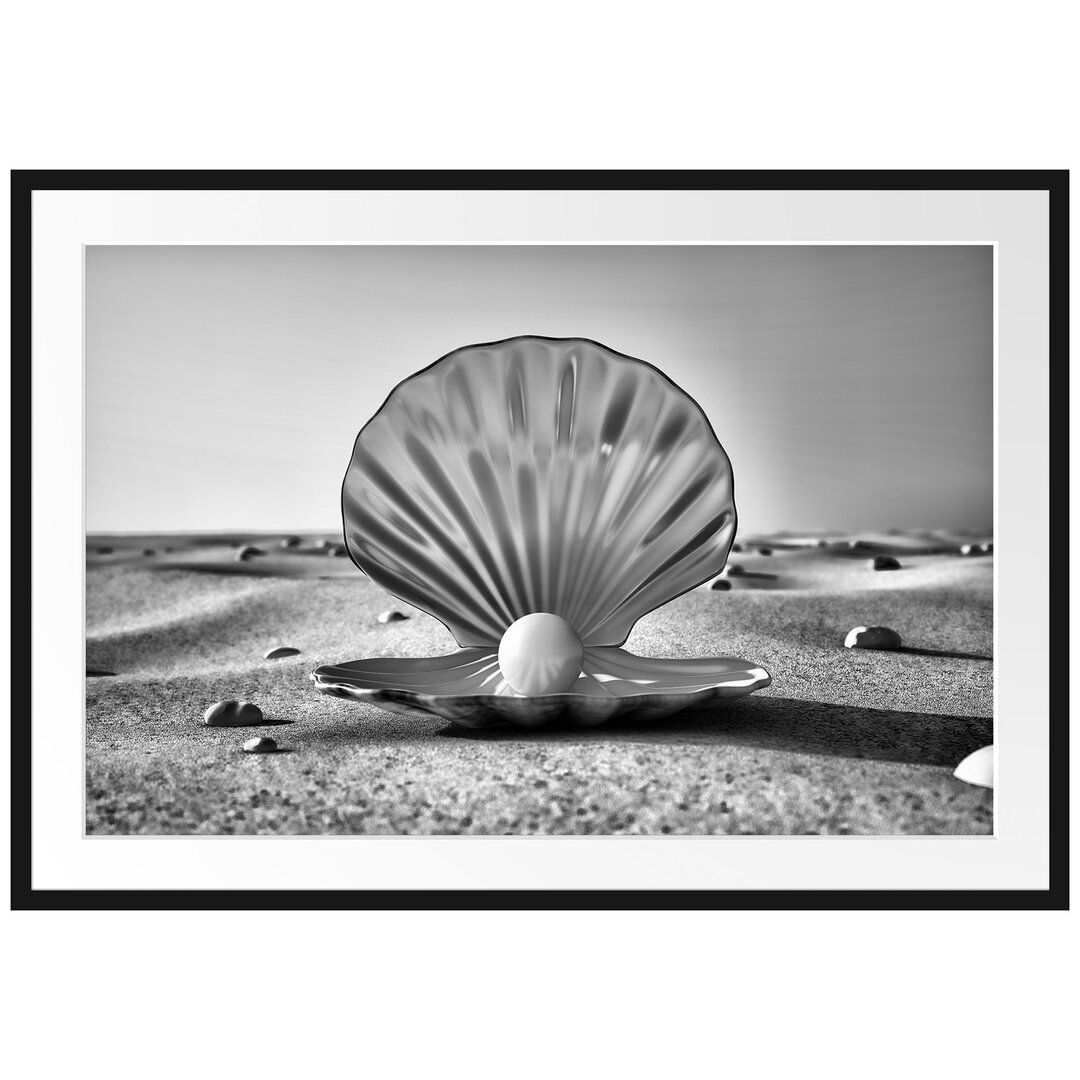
541,654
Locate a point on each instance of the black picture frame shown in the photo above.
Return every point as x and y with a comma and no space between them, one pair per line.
25,697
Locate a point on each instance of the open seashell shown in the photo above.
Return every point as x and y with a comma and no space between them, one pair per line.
538,475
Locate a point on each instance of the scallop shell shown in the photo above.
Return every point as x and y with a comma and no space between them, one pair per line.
538,474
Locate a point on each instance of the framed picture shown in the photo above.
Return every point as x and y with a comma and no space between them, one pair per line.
459,451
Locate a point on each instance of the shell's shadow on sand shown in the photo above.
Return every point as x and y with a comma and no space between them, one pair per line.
775,723
943,652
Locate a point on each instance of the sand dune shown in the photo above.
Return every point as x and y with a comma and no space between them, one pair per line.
844,741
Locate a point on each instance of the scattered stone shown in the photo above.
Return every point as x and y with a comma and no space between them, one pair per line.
262,745
104,550
736,547
233,714
977,768
280,651
764,551
872,637
149,551
734,570
97,673
392,616
290,542
884,562
720,585
247,551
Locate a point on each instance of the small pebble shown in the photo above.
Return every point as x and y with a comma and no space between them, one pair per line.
290,542
280,651
872,637
884,562
764,551
233,714
260,746
734,570
167,550
148,551
720,585
392,616
247,552
977,768
104,550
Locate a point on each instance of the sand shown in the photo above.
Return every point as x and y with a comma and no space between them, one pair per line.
844,741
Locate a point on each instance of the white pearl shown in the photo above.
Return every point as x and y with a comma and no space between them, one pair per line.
541,654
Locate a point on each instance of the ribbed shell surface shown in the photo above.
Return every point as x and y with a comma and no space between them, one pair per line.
538,474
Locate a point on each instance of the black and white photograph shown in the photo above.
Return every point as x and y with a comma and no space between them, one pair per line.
590,539
539,541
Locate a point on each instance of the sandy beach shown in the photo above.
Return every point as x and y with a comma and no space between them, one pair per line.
844,741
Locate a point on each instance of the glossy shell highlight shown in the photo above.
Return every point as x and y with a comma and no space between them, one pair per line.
538,474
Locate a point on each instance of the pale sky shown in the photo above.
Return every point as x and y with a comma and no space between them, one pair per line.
852,387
